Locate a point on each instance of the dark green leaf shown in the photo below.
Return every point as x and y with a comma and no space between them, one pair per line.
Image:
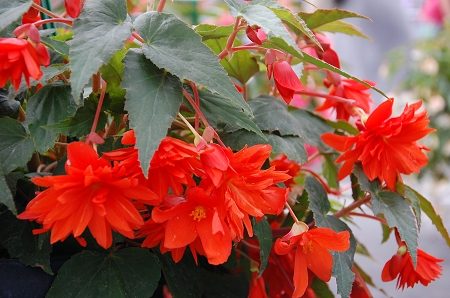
16,146
321,289
99,32
172,45
342,261
413,199
241,66
208,31
112,73
8,105
6,197
324,16
292,146
153,99
49,106
342,27
330,171
58,46
429,210
17,238
256,14
386,233
130,272
220,111
264,234
12,10
343,125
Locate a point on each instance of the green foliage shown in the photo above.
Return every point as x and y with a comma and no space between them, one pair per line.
321,17
11,11
342,261
263,232
16,145
99,32
6,197
152,102
111,274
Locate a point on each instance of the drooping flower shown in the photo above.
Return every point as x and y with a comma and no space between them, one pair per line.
350,89
21,58
246,189
327,53
286,80
401,266
93,194
257,35
198,216
32,15
282,163
386,146
359,287
257,287
312,251
74,7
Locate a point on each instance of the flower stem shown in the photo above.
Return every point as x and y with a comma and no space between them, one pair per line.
197,102
327,96
99,105
231,39
291,212
53,20
324,184
383,221
192,129
247,47
161,5
137,36
356,204
44,10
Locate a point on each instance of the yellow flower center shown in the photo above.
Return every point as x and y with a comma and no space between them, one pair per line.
198,213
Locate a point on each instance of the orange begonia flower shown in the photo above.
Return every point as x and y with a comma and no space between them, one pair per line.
92,194
312,251
21,58
401,266
282,163
198,216
350,89
74,7
247,190
386,146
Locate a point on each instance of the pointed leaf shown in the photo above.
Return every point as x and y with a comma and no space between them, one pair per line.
130,272
342,27
208,31
324,16
174,46
16,146
12,10
264,234
153,99
49,106
99,32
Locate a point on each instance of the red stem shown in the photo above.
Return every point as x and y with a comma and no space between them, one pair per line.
53,20
292,213
137,36
383,221
327,96
44,11
161,5
324,184
247,47
231,39
99,107
197,102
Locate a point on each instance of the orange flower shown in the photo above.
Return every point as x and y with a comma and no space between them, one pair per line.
257,287
247,190
92,194
348,89
282,163
312,251
32,15
19,57
386,146
198,216
401,266
74,7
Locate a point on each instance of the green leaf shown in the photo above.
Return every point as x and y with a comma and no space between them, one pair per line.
386,233
12,10
172,45
395,210
342,261
153,99
241,66
343,125
49,106
187,280
112,73
429,210
342,27
321,289
292,146
324,16
330,171
58,46
413,200
221,111
264,234
208,31
265,18
99,32
130,272
16,146
17,237
6,196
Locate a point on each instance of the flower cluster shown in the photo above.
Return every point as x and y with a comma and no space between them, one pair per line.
202,198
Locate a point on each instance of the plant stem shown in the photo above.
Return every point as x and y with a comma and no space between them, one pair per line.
161,5
44,10
192,129
137,36
327,96
291,212
99,106
197,102
231,39
247,47
324,184
53,20
356,204
383,221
